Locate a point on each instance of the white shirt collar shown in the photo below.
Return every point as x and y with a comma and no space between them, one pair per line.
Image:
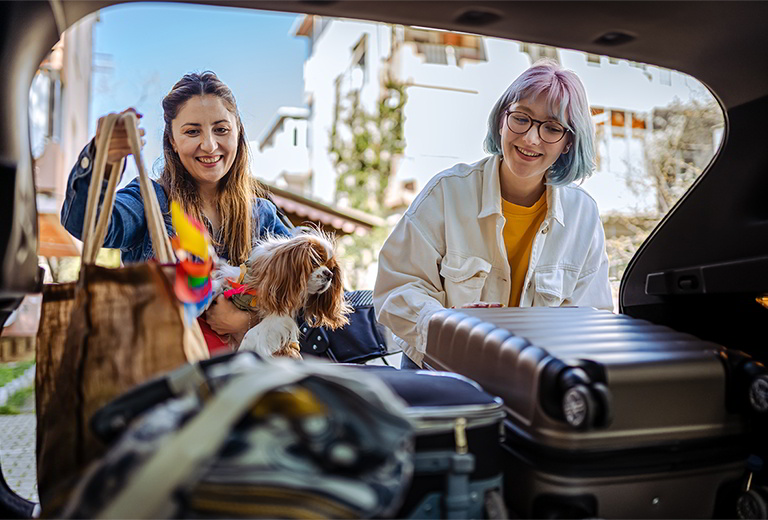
491,200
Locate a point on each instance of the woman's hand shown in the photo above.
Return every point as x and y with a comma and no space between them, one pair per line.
224,318
481,305
119,146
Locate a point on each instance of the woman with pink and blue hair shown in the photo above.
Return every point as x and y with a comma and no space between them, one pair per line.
513,229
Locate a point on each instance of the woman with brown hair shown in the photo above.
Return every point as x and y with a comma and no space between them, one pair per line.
205,170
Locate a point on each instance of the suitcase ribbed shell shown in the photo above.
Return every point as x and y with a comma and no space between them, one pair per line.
665,386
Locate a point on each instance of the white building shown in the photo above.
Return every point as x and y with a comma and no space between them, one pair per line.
452,82
281,156
59,99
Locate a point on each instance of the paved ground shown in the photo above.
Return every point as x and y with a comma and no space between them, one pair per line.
17,453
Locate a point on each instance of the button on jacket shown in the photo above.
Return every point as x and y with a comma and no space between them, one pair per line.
448,250
127,229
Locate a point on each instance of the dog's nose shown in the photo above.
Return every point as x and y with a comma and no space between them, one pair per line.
326,273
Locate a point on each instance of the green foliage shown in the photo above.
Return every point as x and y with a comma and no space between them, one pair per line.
67,268
17,401
679,146
11,371
677,150
358,252
363,146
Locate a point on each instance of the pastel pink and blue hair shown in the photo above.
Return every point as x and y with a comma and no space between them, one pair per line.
567,102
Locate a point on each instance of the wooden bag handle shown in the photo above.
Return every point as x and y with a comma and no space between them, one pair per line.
94,231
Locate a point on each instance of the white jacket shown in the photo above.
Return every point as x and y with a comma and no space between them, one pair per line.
448,250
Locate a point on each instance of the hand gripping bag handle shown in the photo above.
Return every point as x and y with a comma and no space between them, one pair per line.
94,231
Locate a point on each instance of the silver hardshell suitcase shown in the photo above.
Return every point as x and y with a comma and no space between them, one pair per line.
607,415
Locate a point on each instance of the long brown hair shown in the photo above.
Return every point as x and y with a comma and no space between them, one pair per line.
235,190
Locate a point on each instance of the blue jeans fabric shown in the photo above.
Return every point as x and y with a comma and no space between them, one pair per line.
127,229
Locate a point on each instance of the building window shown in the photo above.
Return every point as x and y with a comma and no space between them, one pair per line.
434,53
295,136
598,115
638,125
45,109
617,123
436,46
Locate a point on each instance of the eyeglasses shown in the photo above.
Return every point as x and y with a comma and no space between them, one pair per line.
550,132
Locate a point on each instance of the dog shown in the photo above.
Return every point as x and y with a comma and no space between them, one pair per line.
285,276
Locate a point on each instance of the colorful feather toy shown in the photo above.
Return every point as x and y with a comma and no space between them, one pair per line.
195,261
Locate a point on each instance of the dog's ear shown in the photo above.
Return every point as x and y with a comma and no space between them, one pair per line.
282,274
329,309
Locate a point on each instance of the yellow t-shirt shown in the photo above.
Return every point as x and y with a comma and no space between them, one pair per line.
520,229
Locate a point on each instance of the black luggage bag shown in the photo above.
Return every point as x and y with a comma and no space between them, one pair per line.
608,416
458,455
457,430
361,340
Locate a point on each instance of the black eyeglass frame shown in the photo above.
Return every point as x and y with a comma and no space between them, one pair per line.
510,112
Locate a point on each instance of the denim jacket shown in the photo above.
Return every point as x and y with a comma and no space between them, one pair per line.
127,229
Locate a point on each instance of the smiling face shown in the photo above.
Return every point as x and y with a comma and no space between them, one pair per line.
204,135
526,158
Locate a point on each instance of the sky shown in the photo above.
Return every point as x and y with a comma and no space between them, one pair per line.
141,50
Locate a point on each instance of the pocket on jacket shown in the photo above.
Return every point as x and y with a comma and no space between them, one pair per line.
463,278
553,286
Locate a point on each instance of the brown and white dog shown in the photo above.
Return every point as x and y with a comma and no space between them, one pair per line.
288,275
